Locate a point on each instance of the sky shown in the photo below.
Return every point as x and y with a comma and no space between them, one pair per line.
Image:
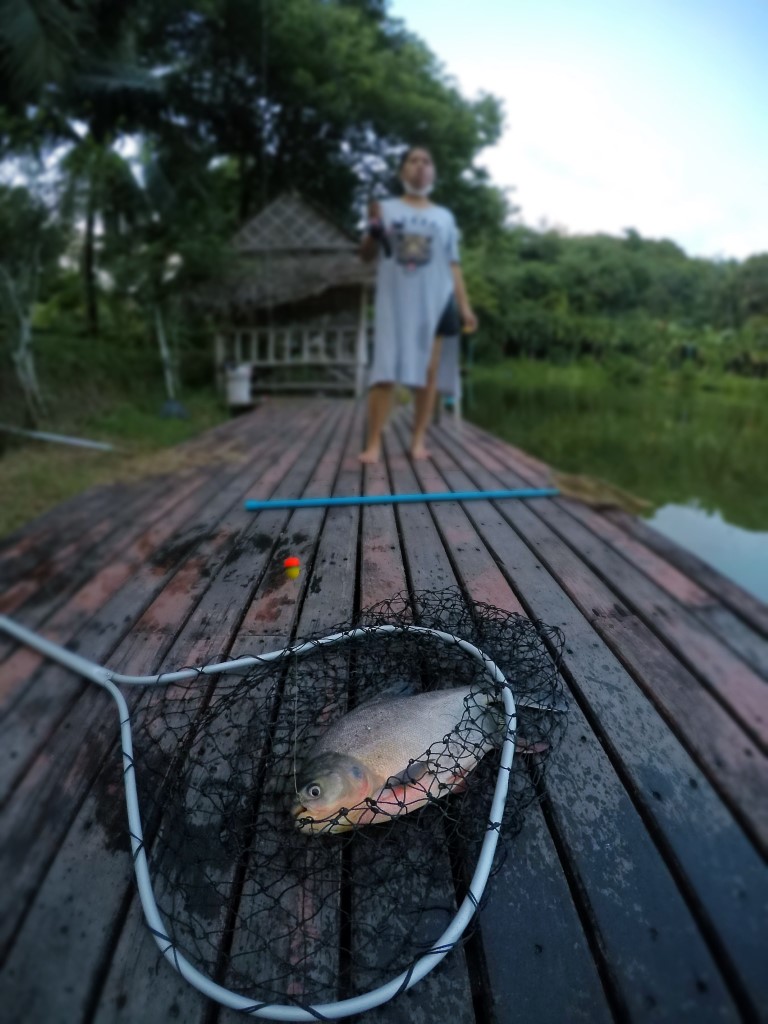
650,114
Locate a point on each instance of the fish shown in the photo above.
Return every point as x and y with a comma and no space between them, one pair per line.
393,755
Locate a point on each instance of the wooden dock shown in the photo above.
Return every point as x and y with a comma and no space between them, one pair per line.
637,890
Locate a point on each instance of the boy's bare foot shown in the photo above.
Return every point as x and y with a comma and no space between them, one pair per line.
418,451
369,456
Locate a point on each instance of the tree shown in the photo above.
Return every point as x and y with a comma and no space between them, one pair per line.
314,96
751,282
32,243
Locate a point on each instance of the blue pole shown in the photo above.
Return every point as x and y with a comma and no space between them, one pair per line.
401,499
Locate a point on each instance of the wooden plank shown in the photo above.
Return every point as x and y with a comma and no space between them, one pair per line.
382,572
479,574
77,512
718,871
443,994
139,652
743,604
107,941
531,941
702,604
409,538
59,566
65,606
79,607
717,621
741,690
328,544
68,569
733,763
36,814
690,631
268,624
672,796
23,550
741,638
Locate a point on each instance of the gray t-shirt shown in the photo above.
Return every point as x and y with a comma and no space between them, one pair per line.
413,287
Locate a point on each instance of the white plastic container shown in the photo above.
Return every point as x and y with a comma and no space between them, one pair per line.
238,382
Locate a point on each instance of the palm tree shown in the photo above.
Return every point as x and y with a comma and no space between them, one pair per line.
65,64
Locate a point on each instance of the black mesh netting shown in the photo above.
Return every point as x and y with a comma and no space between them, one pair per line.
264,895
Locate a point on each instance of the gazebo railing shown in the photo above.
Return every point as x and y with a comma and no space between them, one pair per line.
337,352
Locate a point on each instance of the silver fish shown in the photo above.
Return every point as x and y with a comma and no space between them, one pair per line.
394,755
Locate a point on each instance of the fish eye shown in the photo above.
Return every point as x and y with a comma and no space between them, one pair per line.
314,790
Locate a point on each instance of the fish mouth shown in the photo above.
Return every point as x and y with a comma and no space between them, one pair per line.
331,824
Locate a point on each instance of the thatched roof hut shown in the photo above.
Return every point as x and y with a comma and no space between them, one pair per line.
294,306
289,255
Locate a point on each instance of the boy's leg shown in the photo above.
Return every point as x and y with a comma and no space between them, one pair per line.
379,404
424,404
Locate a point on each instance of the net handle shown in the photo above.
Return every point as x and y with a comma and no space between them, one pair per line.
272,1011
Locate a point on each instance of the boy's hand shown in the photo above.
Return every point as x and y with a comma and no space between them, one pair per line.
469,320
375,227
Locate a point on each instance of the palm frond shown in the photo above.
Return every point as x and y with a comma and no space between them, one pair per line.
39,41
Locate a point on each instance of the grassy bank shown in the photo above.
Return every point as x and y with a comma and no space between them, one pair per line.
35,475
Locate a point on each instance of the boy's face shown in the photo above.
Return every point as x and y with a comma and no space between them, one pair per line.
418,170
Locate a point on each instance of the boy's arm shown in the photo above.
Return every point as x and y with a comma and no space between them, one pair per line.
374,235
369,248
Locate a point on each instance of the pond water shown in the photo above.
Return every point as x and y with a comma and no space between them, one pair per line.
699,455
740,554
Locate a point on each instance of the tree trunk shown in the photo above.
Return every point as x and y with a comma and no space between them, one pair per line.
23,356
89,268
165,355
24,361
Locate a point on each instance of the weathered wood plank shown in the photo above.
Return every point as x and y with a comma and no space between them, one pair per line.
720,605
631,894
725,591
39,811
718,870
22,550
328,597
535,950
715,619
382,572
734,765
445,993
66,589
734,683
743,604
269,623
103,607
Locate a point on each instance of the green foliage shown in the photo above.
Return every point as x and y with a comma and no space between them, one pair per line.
667,437
557,297
31,239
168,123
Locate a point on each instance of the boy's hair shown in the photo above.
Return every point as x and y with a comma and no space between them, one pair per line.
412,149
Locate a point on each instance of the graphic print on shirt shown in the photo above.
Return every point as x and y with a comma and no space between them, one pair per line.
411,250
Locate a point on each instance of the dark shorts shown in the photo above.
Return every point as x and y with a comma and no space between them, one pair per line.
449,324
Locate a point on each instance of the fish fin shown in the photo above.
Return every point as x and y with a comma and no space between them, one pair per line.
524,746
415,771
400,688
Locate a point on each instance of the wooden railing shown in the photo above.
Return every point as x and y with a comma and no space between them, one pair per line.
339,354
